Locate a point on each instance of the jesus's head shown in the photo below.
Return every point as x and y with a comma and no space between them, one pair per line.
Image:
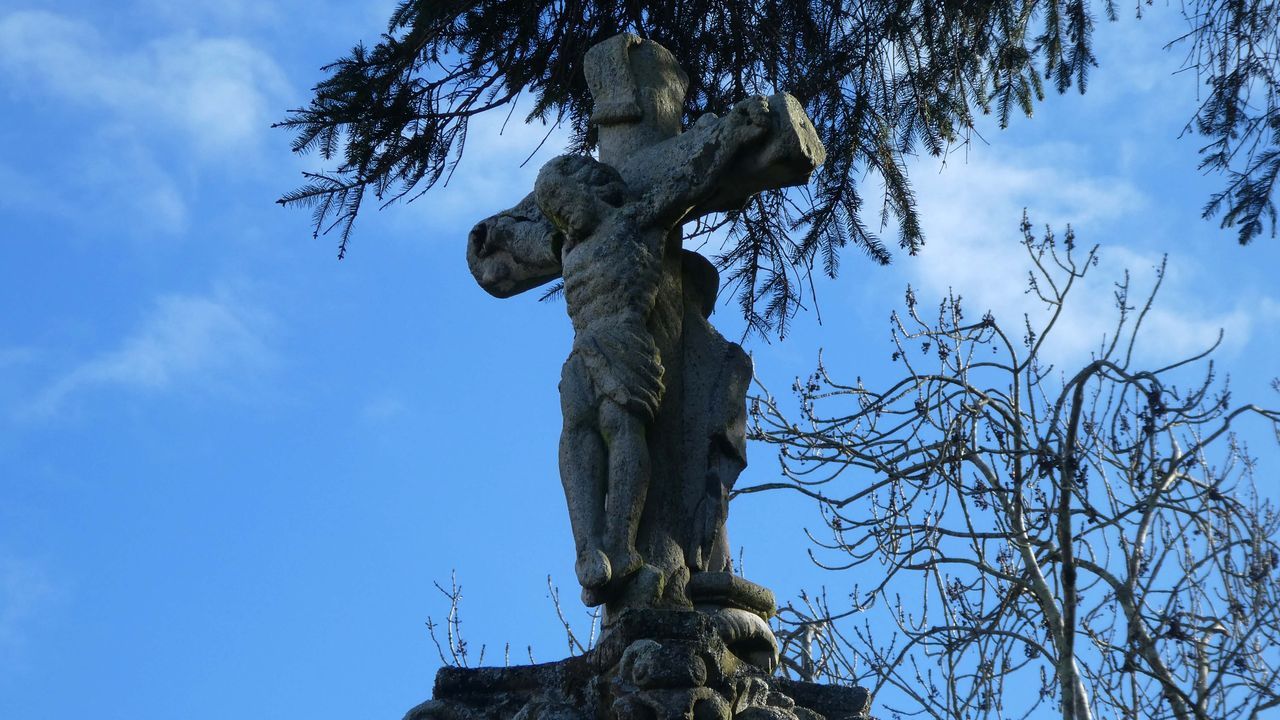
576,191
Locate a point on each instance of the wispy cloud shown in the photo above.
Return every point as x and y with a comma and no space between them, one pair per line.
147,116
184,339
122,183
493,173
25,588
14,356
971,216
383,407
204,12
220,92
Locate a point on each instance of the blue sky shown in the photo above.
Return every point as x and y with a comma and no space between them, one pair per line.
231,467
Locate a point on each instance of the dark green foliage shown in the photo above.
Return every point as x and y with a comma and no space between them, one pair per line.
882,80
1235,49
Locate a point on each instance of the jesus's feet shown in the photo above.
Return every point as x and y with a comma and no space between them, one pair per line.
593,569
624,561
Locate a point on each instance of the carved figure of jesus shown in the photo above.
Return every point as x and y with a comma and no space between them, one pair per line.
612,384
652,396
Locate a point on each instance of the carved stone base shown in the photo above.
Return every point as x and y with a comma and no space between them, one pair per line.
649,665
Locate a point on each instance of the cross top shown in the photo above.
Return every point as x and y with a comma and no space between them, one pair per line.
638,88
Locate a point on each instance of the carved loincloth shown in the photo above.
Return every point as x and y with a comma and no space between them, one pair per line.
620,362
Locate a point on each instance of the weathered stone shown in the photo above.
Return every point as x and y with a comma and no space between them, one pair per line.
514,251
653,397
649,665
653,401
723,589
747,635
833,702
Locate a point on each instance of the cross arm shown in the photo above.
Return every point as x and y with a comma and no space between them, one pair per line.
763,143
788,155
515,250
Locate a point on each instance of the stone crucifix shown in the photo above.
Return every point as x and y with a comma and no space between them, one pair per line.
653,397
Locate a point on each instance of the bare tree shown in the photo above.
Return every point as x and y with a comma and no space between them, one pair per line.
454,650
1027,538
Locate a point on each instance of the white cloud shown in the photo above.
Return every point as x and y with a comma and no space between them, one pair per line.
490,177
383,407
18,192
11,357
131,182
184,339
1133,58
220,92
144,113
25,588
971,212
120,185
205,12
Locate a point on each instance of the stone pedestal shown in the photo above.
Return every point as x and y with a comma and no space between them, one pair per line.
649,665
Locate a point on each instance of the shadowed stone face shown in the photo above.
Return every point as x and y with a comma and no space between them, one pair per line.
575,192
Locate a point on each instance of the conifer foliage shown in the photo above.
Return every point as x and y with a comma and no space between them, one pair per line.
882,80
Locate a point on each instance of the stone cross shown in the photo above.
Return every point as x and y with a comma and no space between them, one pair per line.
654,409
653,397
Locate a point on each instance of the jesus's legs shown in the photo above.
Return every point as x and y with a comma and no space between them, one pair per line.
628,458
582,472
